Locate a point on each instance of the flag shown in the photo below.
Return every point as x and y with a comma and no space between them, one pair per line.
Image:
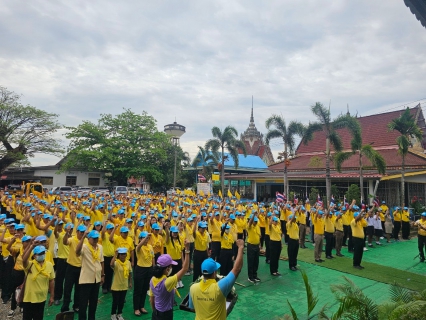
345,202
279,196
215,177
376,202
201,177
296,200
319,202
229,194
220,194
237,195
332,199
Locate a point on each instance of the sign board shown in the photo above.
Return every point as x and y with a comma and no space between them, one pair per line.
205,187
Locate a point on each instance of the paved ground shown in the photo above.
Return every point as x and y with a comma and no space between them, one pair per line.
268,300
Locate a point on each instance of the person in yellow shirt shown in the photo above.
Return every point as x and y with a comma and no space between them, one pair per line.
40,281
357,226
301,220
275,244
241,223
253,249
201,239
174,248
397,220
421,235
262,224
226,250
123,241
329,233
338,224
318,223
109,250
189,236
122,282
405,219
293,242
156,240
143,272
215,228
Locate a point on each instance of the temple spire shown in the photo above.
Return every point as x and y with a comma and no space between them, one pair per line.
251,118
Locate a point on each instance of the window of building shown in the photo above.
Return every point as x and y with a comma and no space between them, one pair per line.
71,181
94,175
94,182
46,180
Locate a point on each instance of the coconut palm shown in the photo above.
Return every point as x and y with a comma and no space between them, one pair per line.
225,140
287,134
329,128
365,150
208,161
406,125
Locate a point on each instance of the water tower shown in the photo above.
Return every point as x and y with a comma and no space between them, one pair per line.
175,131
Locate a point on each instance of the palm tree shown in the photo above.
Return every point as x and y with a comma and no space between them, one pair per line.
287,134
406,125
329,128
362,150
208,160
225,140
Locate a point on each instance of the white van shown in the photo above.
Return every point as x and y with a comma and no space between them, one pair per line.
120,190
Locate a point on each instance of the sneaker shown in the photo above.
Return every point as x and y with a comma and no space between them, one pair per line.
422,259
365,249
113,317
188,273
358,267
11,313
181,285
56,303
370,245
378,243
251,280
120,317
257,279
381,238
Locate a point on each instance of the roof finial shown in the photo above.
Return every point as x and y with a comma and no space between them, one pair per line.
251,118
348,113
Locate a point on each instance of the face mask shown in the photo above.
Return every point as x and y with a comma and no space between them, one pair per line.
170,271
227,230
40,258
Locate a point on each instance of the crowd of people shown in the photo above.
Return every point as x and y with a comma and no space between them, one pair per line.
69,247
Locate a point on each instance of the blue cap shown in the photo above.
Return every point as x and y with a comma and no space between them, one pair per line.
122,250
2,216
275,219
109,226
424,214
209,266
320,212
143,234
129,221
174,229
189,219
227,226
19,227
405,208
86,218
41,238
124,229
356,214
383,202
69,224
141,224
39,249
256,219
81,228
232,216
269,214
355,207
47,216
93,234
155,226
202,224
79,215
174,214
26,238
97,223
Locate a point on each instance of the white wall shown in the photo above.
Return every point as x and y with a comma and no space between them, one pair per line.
59,179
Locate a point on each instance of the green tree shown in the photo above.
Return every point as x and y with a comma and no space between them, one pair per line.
313,195
406,125
329,128
124,145
25,131
363,150
353,193
225,140
287,134
209,161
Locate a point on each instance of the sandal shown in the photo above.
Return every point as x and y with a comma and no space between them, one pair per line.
138,313
144,311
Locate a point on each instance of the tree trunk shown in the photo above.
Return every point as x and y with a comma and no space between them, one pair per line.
361,178
327,172
286,188
403,181
222,175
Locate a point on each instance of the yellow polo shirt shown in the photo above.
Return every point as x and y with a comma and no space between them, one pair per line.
119,283
91,269
423,223
253,234
63,250
329,224
209,301
37,285
318,224
275,232
157,243
120,242
293,230
174,249
201,241
358,228
145,255
227,241
215,227
73,259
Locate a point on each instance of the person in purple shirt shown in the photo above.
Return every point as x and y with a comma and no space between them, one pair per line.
162,287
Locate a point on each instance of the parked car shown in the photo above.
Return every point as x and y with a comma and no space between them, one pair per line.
102,190
132,190
120,190
62,190
84,190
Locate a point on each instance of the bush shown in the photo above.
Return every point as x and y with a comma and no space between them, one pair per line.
353,193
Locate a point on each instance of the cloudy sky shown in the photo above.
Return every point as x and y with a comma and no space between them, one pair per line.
201,61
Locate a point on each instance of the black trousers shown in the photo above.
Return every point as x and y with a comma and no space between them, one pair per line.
292,251
17,279
89,293
350,240
329,243
61,270
421,242
33,311
284,230
345,234
252,260
71,280
215,245
7,289
118,298
274,256
267,250
405,230
312,233
158,315
109,272
141,285
396,229
358,250
225,260
262,236
199,257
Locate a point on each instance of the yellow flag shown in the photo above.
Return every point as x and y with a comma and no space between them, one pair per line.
201,193
237,195
229,194
178,191
215,177
220,194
